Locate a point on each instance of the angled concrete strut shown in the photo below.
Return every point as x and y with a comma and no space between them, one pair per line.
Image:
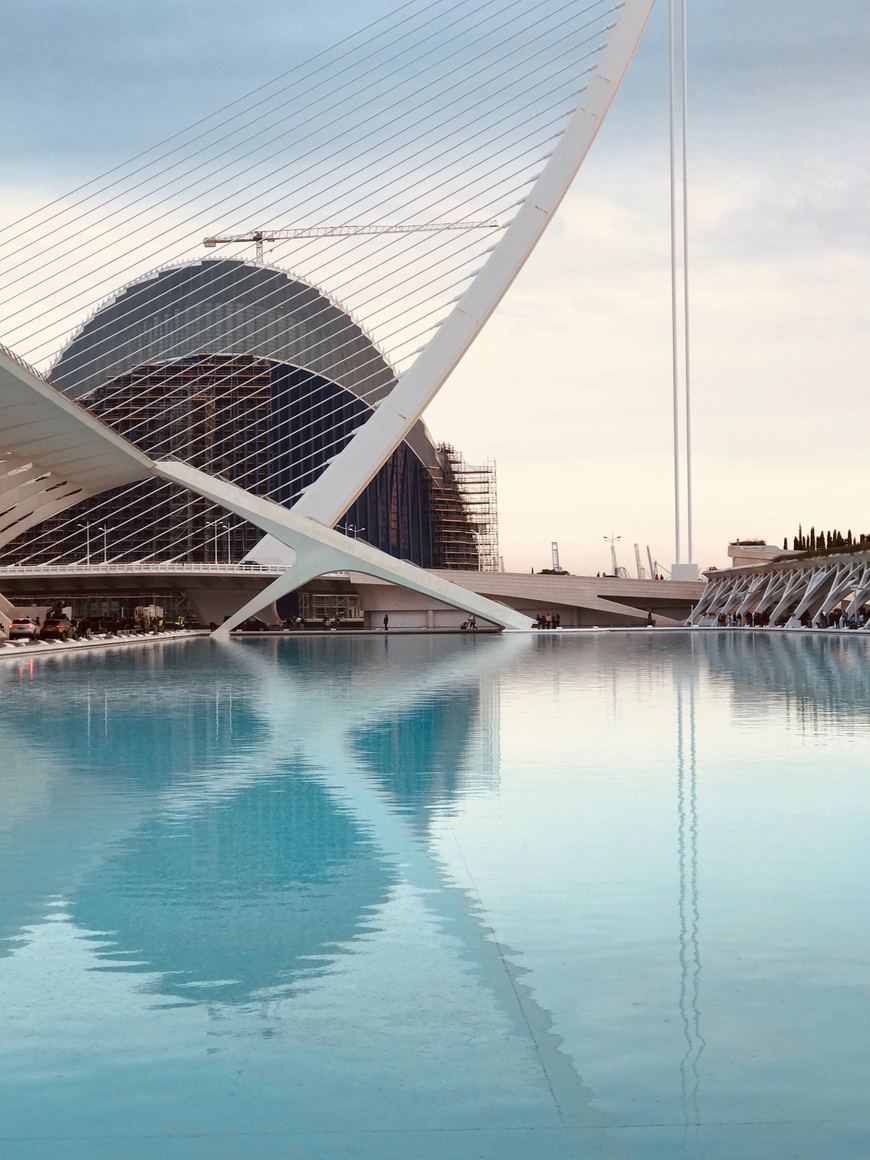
320,549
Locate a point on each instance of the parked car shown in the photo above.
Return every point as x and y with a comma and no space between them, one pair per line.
23,628
57,629
253,624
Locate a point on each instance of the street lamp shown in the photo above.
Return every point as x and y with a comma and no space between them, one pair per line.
87,528
219,523
612,540
104,529
351,530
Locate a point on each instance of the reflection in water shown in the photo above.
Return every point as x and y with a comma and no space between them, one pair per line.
689,909
815,680
297,828
238,899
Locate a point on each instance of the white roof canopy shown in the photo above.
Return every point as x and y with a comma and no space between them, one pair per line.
53,453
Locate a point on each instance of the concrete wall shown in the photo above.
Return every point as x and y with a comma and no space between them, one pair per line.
405,609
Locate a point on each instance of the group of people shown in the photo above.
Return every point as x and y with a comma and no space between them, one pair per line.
548,620
835,619
615,576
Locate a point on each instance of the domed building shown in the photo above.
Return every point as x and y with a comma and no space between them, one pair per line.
250,373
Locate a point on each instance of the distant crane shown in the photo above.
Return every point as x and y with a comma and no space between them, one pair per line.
258,237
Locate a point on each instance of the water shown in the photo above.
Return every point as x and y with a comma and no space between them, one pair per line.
523,897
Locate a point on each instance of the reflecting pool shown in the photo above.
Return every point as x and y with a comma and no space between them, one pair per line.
437,898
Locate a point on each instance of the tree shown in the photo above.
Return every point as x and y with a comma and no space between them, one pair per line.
785,543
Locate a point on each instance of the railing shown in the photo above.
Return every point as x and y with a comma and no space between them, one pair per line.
144,566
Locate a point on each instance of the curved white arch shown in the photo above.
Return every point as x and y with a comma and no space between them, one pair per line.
332,493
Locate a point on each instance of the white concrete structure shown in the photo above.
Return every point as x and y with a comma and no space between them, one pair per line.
53,453
788,593
44,424
356,465
60,453
743,553
217,590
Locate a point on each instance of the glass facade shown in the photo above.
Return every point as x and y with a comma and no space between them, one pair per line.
245,372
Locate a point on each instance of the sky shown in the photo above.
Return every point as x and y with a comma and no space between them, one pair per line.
569,386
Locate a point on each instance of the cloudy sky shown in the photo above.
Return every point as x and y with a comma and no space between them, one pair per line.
569,386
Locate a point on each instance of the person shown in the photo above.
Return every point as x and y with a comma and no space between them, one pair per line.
650,619
386,622
557,620
472,623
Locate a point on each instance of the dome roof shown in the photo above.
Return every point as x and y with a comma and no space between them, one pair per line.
223,307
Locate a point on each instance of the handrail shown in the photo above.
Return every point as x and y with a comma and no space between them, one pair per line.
144,566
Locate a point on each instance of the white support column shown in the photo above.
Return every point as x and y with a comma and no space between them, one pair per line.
843,584
813,595
776,586
862,592
792,585
749,600
708,596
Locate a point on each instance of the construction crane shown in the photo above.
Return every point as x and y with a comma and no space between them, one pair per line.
258,237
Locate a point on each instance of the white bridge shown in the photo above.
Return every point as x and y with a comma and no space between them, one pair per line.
512,135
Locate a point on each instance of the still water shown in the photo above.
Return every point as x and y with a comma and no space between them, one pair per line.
445,898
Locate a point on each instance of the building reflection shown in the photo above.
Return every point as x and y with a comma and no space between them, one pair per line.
198,839
230,831
688,902
812,677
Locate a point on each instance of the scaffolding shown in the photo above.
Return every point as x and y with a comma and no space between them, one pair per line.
464,513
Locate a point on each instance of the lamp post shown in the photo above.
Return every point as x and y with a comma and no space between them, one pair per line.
219,523
612,540
351,530
104,529
87,528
